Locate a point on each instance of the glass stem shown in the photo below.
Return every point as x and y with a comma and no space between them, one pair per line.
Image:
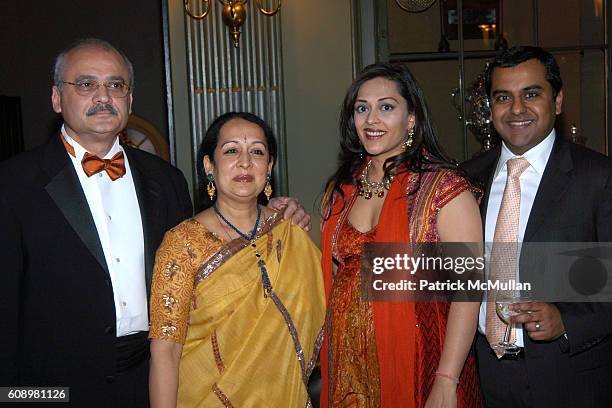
507,334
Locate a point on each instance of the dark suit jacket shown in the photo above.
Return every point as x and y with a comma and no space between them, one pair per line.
57,315
573,204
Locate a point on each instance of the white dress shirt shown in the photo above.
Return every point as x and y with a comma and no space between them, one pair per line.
537,157
116,214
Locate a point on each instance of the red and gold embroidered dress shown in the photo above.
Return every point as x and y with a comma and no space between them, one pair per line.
385,354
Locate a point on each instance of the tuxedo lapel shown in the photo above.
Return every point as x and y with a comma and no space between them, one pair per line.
65,190
553,185
149,195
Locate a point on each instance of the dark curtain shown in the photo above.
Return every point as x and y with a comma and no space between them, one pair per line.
11,128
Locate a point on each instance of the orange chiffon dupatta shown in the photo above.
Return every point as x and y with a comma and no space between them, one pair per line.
394,322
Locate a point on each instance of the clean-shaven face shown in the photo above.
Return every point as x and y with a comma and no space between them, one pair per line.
381,118
241,160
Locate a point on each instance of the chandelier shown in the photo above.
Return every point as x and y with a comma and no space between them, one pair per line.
233,14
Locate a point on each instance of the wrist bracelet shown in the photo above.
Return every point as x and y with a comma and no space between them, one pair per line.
450,377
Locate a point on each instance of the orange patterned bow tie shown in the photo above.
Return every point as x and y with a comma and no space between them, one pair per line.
92,164
114,167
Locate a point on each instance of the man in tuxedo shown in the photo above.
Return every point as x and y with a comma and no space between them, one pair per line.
544,189
80,220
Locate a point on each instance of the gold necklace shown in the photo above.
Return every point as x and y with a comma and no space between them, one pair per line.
367,188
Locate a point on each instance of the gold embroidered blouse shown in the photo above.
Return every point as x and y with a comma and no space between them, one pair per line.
184,249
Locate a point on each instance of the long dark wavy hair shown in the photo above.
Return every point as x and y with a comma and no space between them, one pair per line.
353,156
211,139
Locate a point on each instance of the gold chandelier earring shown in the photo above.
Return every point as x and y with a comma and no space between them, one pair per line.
408,143
268,187
210,188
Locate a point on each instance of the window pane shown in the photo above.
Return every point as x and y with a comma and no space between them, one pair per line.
413,32
518,22
481,23
584,89
564,23
438,79
482,19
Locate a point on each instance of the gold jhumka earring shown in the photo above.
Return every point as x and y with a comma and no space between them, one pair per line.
268,187
210,188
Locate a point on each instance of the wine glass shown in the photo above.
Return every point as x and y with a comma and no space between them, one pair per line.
503,305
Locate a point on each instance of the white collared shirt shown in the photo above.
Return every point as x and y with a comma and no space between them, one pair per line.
116,214
537,157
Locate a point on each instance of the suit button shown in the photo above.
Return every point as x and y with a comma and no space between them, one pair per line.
110,330
110,379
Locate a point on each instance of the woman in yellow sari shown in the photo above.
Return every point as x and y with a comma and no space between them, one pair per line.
237,300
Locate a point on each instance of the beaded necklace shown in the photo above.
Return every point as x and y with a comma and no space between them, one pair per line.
265,279
242,234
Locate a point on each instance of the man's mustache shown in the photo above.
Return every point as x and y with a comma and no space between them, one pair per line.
101,107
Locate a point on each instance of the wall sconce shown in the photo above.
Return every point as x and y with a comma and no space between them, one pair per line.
233,14
598,6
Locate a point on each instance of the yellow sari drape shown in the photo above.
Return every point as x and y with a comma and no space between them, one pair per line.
246,350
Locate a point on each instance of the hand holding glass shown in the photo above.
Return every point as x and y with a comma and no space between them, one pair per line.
503,305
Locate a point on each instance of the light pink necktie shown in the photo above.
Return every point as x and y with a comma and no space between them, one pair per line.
503,263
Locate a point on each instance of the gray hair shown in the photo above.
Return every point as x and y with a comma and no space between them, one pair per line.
60,60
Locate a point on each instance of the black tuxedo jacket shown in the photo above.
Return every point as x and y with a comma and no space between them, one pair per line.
57,315
573,204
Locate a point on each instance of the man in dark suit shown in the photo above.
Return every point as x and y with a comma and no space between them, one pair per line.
80,220
565,192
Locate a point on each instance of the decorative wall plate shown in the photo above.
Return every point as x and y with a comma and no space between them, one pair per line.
415,6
